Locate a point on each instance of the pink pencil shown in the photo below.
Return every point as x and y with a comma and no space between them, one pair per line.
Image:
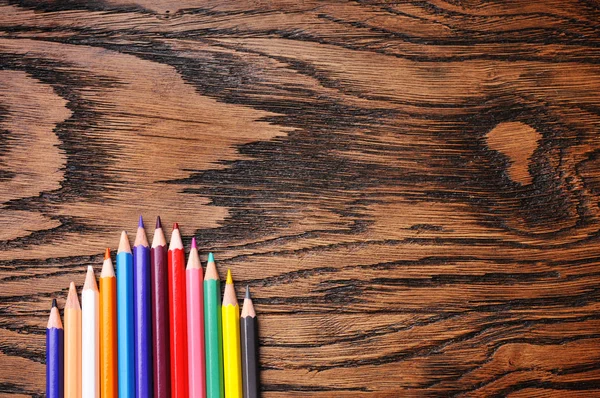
195,324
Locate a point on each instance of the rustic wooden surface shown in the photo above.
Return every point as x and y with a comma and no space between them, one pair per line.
411,188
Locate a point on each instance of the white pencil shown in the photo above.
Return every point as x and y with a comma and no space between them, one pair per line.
90,324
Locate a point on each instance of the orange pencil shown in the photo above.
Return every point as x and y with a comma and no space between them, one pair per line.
72,332
108,330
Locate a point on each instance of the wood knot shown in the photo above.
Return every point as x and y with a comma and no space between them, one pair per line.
517,141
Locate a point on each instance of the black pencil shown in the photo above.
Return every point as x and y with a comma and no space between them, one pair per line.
249,340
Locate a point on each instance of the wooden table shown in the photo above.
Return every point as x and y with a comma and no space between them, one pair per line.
411,189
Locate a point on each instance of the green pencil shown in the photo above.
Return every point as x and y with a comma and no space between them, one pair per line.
212,331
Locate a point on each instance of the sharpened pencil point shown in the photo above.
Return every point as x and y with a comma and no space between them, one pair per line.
247,291
124,243
72,299
54,305
175,226
158,223
141,222
107,253
229,278
194,243
211,258
90,279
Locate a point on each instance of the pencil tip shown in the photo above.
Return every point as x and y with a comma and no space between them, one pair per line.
90,279
141,222
175,226
54,305
247,291
107,253
123,234
158,223
72,299
194,243
211,258
229,278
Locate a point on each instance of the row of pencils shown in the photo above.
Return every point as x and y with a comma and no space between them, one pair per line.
158,328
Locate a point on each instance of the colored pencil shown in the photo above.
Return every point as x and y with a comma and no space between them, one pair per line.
249,341
108,330
213,331
72,358
178,316
195,324
90,349
232,366
125,322
160,314
143,313
54,354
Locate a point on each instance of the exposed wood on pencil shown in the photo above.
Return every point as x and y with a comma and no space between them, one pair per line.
229,294
90,280
108,270
176,242
54,319
193,258
159,235
124,245
248,307
211,272
140,237
72,299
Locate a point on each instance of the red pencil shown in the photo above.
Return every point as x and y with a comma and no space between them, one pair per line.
178,316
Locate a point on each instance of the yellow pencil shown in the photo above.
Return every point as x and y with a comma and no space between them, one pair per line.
232,356
72,344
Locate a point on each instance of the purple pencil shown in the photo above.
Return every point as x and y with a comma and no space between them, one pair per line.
142,314
160,313
54,355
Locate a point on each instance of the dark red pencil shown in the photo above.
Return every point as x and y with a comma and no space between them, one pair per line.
160,313
178,316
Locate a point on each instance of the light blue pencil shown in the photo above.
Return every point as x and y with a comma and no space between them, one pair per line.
125,322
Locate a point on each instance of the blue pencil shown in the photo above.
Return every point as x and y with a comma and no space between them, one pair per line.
125,319
54,355
143,314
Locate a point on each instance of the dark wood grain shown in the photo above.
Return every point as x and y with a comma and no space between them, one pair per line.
410,188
